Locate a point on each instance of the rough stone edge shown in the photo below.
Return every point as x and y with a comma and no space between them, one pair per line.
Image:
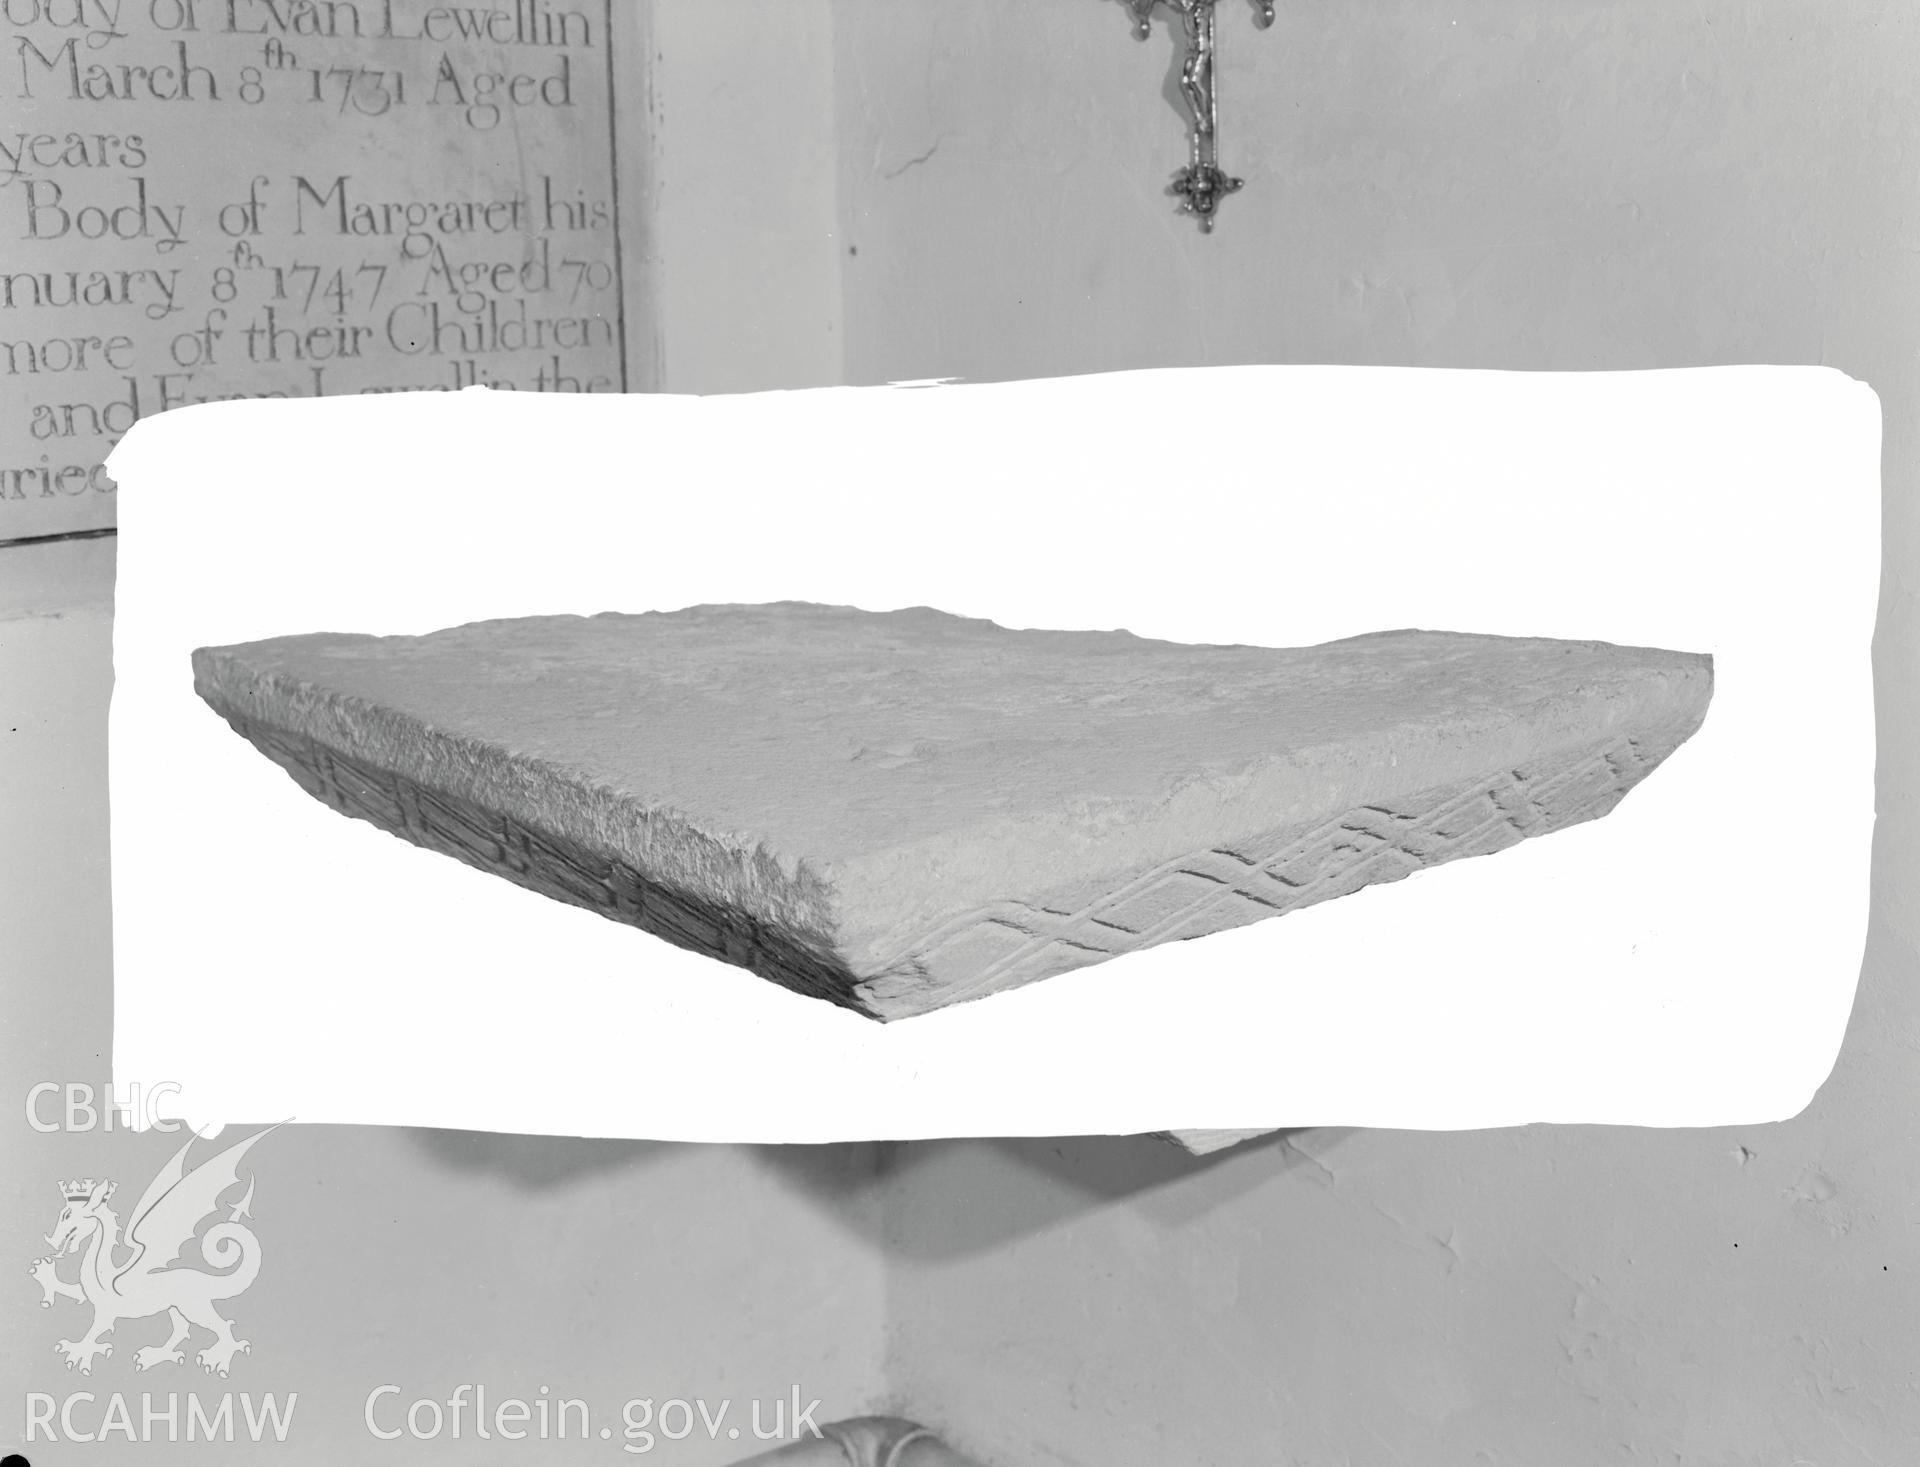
679,857
535,857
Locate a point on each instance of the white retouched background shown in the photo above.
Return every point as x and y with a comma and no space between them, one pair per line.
1688,960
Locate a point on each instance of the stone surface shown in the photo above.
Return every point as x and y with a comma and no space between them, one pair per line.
898,811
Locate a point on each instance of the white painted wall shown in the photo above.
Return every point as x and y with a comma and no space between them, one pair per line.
744,269
1499,183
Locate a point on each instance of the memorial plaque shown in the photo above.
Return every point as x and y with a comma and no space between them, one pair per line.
216,199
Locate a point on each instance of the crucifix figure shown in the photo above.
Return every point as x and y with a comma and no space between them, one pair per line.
1202,184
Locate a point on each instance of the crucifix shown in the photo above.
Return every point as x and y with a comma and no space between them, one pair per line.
1202,184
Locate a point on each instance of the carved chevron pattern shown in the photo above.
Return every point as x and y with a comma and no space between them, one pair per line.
1010,943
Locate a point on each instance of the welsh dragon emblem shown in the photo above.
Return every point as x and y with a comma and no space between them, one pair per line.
134,1277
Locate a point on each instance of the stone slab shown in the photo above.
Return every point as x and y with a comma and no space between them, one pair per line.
904,810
